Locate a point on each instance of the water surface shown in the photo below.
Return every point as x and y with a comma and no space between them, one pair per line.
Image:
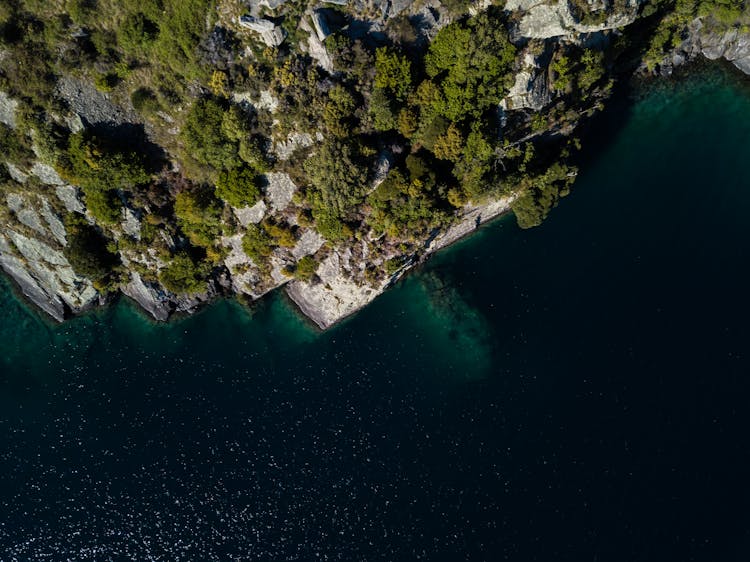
575,392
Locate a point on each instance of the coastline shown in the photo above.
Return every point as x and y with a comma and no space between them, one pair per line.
327,312
316,312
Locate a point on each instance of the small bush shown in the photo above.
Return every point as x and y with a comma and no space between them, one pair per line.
145,101
306,268
257,243
238,187
184,275
87,250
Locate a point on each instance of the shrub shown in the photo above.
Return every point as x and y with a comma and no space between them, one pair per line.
138,33
281,234
96,165
204,139
104,205
338,184
472,63
392,73
256,243
238,187
306,268
15,147
184,275
145,101
381,111
106,82
198,214
87,250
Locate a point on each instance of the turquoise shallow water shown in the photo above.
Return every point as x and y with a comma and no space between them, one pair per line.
574,392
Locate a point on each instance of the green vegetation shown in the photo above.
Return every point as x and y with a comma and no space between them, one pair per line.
541,193
676,15
217,138
87,250
306,268
198,214
338,181
392,73
102,169
257,244
421,118
15,147
471,62
184,275
238,187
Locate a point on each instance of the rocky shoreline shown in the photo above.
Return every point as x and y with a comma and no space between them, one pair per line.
731,45
328,307
347,277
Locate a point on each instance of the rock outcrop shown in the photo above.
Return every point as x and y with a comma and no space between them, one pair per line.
531,89
335,295
731,44
44,275
546,19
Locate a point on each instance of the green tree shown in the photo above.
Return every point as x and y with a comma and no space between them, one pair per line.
184,275
198,214
337,185
392,73
257,244
138,33
472,63
238,187
205,138
103,166
87,251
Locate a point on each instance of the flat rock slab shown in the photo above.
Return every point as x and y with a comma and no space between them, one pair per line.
92,105
280,190
8,110
251,215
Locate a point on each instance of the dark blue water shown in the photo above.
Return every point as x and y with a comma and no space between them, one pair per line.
575,392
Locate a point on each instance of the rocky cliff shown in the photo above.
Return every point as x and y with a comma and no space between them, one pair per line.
560,74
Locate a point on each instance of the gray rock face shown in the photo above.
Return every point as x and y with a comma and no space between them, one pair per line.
14,267
8,110
294,141
54,223
280,190
309,243
17,174
531,88
46,174
271,34
44,275
732,45
131,225
543,20
338,295
25,213
251,215
90,104
71,198
315,47
335,296
152,298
